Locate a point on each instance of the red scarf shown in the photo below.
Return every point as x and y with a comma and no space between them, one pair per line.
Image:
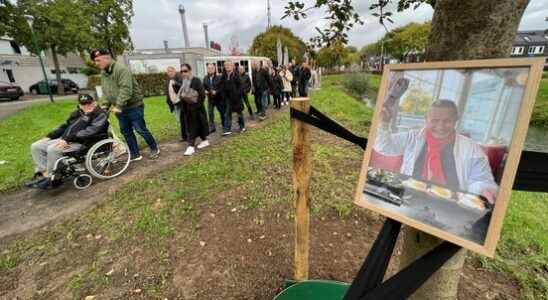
433,167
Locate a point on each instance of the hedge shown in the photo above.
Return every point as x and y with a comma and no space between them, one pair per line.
151,84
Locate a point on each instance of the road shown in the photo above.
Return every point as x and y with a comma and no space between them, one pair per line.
8,108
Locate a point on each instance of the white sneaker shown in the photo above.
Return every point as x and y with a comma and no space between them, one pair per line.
189,151
203,144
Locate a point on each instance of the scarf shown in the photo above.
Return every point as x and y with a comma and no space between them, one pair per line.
172,95
433,167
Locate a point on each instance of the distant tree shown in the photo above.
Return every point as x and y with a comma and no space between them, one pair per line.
265,43
332,56
60,26
401,41
110,20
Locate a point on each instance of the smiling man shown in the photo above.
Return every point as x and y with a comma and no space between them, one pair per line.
437,152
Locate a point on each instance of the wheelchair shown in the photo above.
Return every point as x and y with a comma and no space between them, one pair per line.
105,159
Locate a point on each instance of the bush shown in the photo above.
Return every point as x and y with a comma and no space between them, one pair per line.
151,84
357,85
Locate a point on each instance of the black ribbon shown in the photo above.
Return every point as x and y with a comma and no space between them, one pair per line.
532,174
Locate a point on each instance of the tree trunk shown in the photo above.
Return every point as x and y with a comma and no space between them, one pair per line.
461,30
60,86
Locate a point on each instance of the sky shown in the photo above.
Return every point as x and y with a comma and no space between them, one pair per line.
241,20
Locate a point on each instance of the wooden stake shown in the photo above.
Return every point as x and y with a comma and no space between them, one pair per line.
302,169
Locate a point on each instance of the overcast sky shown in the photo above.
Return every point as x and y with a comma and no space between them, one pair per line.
156,21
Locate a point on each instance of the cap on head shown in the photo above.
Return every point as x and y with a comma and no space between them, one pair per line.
85,99
98,52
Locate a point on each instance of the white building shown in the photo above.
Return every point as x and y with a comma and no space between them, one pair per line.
19,66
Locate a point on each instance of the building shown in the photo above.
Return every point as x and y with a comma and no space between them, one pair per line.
157,60
19,66
531,44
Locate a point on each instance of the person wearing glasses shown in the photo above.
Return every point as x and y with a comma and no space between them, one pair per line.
122,95
193,113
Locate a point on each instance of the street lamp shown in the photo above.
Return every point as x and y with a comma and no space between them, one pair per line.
30,20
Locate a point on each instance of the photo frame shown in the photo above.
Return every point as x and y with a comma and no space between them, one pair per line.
445,143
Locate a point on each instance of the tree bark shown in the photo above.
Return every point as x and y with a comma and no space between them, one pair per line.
461,30
60,86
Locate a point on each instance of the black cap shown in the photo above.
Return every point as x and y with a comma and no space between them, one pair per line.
85,99
98,52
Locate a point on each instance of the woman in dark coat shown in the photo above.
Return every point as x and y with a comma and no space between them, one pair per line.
277,88
193,115
232,90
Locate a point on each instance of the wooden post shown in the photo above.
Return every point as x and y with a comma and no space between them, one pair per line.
302,169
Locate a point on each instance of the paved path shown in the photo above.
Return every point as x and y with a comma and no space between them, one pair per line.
8,108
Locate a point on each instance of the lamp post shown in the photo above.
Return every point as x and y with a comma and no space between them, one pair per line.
30,20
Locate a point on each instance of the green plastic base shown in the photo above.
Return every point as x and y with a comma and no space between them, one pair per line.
314,290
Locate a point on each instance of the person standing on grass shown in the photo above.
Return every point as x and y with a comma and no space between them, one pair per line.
173,84
287,78
193,113
232,95
122,95
260,89
212,87
303,80
277,88
246,87
296,72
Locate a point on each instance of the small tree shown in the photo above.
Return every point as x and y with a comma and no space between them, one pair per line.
59,26
264,44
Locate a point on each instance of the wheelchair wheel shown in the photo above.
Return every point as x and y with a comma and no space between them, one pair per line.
107,159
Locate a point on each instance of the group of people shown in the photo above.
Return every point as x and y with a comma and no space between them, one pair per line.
227,92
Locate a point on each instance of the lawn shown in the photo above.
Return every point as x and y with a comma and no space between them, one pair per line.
153,212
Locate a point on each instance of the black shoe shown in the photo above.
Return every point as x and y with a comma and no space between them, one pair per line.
154,154
48,184
38,176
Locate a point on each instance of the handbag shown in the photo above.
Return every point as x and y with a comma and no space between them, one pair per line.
188,95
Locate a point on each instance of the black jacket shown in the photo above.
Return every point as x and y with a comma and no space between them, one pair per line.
305,75
195,84
246,83
213,84
260,80
232,91
277,84
86,129
296,71
176,88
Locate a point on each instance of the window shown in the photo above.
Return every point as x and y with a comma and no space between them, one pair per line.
531,50
536,50
73,70
540,50
517,50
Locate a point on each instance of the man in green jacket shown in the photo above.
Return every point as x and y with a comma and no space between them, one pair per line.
122,95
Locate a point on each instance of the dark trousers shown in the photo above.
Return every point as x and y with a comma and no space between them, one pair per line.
227,125
211,105
134,118
287,96
295,89
303,89
245,99
277,100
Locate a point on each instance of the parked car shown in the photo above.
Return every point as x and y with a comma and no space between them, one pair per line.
70,86
10,91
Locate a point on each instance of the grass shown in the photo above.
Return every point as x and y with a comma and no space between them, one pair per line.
150,212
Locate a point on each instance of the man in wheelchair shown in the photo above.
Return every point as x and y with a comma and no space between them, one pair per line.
85,126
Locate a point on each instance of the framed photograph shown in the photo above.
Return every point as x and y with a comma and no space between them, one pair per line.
445,144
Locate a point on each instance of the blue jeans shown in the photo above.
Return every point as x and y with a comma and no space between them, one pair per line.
134,118
264,102
227,122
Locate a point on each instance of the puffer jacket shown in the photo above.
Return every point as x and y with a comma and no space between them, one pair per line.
82,128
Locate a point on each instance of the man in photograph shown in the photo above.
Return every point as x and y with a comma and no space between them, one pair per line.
437,152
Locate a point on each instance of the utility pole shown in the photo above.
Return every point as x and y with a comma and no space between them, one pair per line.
269,25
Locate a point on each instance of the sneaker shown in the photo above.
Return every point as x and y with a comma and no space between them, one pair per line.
136,158
189,151
203,144
154,154
262,118
227,133
243,130
48,184
38,176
